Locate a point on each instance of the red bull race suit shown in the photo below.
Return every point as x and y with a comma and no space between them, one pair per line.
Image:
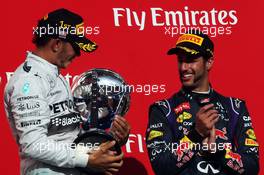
175,147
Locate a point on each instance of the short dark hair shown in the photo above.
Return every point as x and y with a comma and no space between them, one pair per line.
40,41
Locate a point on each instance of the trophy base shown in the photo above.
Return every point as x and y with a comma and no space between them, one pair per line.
94,138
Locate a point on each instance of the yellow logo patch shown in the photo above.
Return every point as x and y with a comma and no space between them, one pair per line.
184,116
251,134
154,134
87,47
190,38
186,143
251,142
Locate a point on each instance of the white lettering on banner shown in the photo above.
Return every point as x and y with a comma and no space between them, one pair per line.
68,77
137,140
130,15
183,17
177,21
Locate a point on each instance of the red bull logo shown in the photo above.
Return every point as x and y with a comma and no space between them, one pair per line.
221,133
184,146
181,107
179,153
234,156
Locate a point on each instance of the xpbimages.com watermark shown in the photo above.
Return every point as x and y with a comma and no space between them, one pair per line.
81,31
158,147
57,146
146,89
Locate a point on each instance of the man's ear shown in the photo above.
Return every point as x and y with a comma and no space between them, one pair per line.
209,63
56,45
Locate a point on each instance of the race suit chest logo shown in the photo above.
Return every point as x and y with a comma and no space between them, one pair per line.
181,107
251,142
251,134
24,98
221,133
29,123
235,161
184,116
154,134
64,123
55,93
25,88
28,106
61,106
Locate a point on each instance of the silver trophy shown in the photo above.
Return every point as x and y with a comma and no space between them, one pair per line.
99,95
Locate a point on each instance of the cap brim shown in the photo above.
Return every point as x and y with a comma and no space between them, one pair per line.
84,44
173,51
179,51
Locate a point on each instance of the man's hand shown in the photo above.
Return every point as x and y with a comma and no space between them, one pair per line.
105,160
120,129
205,120
210,141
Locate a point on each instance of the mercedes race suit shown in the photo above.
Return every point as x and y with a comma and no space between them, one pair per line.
39,107
175,147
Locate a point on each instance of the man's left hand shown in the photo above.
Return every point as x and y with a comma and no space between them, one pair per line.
210,141
120,129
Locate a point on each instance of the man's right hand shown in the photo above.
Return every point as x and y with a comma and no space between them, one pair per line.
205,119
105,160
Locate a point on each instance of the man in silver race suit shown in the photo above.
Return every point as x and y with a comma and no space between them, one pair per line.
39,105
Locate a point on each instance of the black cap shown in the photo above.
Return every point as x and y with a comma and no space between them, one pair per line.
194,43
67,26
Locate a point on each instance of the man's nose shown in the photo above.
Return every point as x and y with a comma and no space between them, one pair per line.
184,66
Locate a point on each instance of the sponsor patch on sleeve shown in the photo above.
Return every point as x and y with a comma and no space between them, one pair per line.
154,134
251,142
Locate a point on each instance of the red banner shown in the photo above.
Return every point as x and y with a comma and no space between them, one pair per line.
133,39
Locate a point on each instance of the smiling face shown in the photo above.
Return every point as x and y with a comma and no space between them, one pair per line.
194,72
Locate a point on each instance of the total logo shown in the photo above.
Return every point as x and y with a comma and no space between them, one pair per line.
184,116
